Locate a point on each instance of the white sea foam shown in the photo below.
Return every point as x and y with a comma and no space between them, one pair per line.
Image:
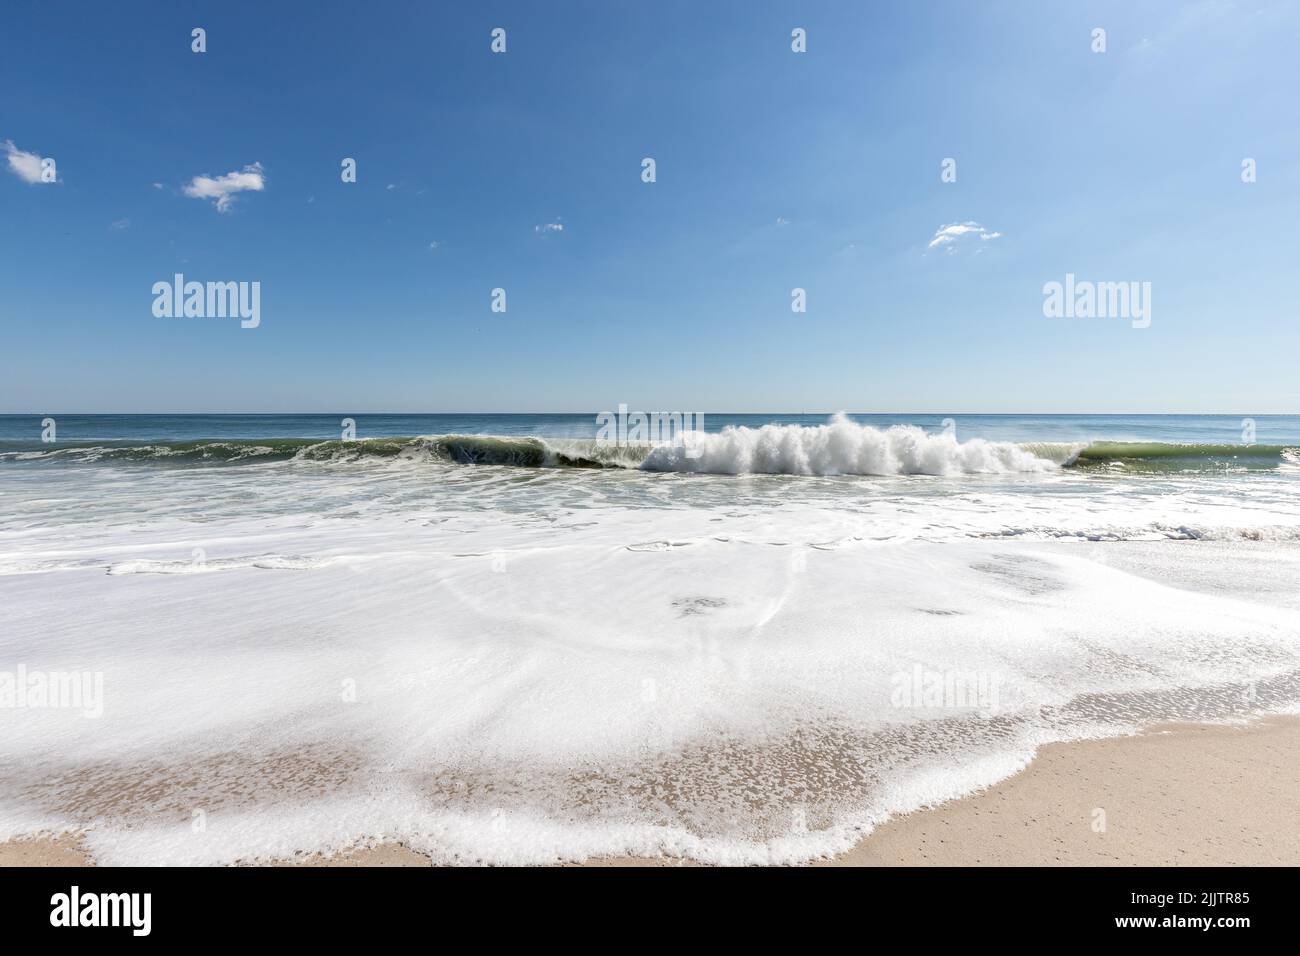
202,565
522,665
842,447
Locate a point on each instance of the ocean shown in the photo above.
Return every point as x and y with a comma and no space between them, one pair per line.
501,639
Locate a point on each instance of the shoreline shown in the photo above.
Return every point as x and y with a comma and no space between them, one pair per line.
1173,795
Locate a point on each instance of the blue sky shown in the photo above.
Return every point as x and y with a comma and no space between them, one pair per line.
775,170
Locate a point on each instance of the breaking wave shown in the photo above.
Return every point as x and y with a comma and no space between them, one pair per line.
840,447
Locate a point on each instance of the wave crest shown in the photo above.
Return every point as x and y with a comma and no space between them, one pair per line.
842,447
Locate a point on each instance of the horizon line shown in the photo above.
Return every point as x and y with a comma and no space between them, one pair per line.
640,411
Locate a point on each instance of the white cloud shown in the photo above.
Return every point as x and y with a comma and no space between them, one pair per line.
157,185
120,225
955,232
26,166
782,221
556,226
433,246
223,188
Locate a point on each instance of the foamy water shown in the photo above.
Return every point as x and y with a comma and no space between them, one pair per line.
523,664
845,447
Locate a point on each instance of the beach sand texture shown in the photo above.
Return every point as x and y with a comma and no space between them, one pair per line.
1180,795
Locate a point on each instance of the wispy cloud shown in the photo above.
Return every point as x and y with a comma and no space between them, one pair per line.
550,227
120,225
955,234
782,221
26,166
223,189
433,246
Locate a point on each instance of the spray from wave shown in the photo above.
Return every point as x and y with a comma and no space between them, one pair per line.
842,447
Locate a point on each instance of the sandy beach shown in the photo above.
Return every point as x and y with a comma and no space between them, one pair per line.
712,435
1187,794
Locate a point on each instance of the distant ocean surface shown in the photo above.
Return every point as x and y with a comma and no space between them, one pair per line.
732,444
1185,429
498,639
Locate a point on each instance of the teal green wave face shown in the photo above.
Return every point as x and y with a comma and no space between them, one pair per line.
1168,456
538,452
522,452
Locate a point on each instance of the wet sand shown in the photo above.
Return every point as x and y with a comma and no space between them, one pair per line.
1188,794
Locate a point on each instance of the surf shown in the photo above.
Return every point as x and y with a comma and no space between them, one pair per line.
840,447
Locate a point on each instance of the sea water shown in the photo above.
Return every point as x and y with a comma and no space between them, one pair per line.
499,640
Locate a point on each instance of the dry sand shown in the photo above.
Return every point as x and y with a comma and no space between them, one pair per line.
1189,794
